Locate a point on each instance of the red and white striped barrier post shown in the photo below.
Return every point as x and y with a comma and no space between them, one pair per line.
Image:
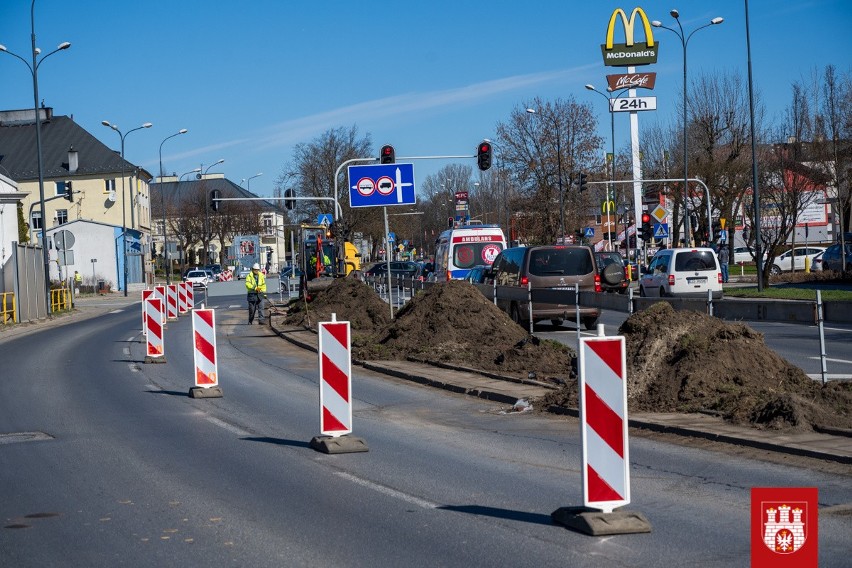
155,347
335,373
183,303
606,456
160,294
190,296
145,295
172,302
204,355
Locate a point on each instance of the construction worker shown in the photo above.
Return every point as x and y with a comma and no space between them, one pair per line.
78,281
256,289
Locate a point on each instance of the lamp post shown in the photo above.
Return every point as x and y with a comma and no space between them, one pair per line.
163,204
216,163
124,193
248,181
559,174
34,72
684,41
612,141
195,171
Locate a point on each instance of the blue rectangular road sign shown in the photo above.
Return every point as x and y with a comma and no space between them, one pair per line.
589,232
381,185
325,219
661,230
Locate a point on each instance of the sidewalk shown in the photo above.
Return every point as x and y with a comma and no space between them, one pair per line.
835,447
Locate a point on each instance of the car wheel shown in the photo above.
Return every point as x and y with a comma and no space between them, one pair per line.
516,315
775,269
662,292
590,323
557,322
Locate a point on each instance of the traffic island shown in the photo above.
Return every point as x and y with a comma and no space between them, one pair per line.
339,444
205,392
597,523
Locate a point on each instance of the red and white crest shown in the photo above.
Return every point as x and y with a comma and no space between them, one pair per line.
784,525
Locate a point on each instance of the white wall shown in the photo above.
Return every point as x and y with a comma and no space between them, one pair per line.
91,240
9,196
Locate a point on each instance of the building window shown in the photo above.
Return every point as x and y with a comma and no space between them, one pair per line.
61,216
598,219
35,221
267,225
60,188
109,185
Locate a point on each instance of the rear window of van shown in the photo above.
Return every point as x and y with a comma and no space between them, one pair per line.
561,262
695,260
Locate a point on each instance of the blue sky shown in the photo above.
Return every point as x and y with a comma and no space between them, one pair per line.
252,79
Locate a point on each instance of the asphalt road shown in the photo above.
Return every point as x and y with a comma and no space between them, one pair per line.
136,473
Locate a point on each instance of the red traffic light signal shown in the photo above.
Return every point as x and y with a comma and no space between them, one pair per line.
387,155
646,232
646,219
483,155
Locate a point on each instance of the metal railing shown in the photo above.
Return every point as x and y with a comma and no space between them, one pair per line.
8,314
60,299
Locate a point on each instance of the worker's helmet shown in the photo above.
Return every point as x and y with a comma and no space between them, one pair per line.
255,266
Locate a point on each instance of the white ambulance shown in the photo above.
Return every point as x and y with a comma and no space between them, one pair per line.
461,248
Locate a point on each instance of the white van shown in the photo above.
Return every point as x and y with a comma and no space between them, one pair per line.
459,249
683,272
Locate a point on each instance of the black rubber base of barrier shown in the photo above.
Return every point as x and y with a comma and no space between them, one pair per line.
598,523
339,445
205,392
149,359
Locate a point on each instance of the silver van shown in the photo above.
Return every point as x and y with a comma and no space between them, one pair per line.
683,272
556,267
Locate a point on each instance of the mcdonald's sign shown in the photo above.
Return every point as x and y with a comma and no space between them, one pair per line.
630,52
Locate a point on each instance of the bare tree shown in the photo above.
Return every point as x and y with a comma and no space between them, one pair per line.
542,149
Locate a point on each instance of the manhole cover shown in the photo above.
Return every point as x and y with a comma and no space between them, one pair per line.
17,437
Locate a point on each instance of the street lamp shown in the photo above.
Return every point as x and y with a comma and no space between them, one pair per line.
34,72
124,192
248,181
195,171
609,99
216,163
559,174
684,41
163,203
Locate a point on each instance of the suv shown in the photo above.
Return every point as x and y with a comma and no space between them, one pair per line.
613,273
685,272
558,267
831,257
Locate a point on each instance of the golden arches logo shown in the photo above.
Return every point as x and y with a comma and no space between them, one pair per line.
628,27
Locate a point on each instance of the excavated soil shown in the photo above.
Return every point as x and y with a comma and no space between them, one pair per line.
677,361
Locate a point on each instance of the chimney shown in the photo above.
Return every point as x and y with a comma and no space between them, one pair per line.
73,161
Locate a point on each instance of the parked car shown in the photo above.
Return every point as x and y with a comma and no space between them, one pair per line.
831,259
743,255
216,270
556,267
477,274
199,278
816,262
243,272
684,272
613,272
397,267
785,261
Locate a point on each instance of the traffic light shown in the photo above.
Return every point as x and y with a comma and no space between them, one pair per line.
581,180
68,192
289,203
646,232
388,154
215,196
483,155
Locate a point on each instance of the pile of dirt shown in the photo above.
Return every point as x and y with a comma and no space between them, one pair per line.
349,299
677,361
454,323
681,361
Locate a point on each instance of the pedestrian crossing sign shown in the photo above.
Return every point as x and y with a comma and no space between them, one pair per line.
661,230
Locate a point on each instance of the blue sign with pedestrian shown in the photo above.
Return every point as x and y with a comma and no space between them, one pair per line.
325,219
661,230
381,185
391,237
589,232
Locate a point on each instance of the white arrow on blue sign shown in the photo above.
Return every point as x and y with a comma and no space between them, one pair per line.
381,185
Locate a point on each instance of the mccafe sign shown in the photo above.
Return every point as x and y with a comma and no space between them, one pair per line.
630,52
631,81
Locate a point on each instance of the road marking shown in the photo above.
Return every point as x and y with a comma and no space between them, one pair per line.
833,360
388,491
116,311
818,377
126,351
234,306
229,427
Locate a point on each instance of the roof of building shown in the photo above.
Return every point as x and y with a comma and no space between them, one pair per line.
178,191
18,156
